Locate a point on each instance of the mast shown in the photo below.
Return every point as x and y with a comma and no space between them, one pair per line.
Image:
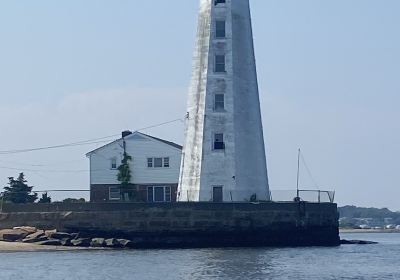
298,174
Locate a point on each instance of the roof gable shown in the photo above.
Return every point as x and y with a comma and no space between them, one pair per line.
140,137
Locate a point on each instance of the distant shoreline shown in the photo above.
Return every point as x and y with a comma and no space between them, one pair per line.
349,230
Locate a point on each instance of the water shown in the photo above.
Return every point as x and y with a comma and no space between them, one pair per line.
381,261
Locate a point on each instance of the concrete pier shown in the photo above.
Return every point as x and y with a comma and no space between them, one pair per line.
182,225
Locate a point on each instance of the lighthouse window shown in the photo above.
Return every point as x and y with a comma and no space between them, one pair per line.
219,102
219,2
220,63
219,141
220,29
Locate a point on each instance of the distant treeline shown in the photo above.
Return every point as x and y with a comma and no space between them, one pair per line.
360,212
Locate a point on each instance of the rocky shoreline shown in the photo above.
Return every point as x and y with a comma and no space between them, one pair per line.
350,230
39,237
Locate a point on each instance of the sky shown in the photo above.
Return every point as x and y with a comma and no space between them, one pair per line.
329,80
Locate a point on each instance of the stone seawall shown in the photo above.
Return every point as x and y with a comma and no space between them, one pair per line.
187,224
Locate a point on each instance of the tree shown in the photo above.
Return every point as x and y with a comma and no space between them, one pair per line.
18,190
45,198
124,174
74,200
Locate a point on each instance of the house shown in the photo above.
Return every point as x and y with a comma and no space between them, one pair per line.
154,168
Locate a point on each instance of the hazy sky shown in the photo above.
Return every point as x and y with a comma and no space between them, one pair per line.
329,75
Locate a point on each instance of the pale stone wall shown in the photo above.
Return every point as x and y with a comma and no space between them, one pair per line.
241,167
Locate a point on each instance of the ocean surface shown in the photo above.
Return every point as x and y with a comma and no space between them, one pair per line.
380,261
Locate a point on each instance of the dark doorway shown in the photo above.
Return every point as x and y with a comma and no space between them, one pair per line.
217,194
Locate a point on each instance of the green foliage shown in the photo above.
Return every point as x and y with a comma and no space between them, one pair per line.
360,212
124,172
18,191
45,198
74,200
124,177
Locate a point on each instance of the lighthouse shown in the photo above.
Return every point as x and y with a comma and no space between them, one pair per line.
223,158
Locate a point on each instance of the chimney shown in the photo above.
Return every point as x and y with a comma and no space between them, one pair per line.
126,133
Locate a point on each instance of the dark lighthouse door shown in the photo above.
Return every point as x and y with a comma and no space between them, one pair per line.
217,194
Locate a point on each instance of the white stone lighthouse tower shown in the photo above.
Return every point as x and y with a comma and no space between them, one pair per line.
223,155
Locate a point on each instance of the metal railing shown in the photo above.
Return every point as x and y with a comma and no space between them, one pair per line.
318,196
314,196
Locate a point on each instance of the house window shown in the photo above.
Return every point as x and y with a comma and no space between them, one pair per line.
150,194
114,193
159,194
158,162
166,162
219,102
216,2
220,29
220,63
114,163
167,194
219,141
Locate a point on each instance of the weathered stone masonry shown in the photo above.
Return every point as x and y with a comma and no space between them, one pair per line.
187,224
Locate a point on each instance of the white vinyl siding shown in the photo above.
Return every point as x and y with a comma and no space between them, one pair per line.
140,149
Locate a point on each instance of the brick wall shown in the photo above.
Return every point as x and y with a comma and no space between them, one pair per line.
100,193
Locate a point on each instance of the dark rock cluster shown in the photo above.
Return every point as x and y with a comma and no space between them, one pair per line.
356,242
55,238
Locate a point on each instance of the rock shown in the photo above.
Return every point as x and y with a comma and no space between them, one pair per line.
97,242
27,229
74,235
125,243
356,242
50,242
81,242
12,234
50,232
35,237
111,242
66,242
60,235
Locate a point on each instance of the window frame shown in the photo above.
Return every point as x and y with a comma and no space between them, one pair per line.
165,162
218,64
155,165
151,193
218,23
218,2
112,162
216,108
214,146
109,193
